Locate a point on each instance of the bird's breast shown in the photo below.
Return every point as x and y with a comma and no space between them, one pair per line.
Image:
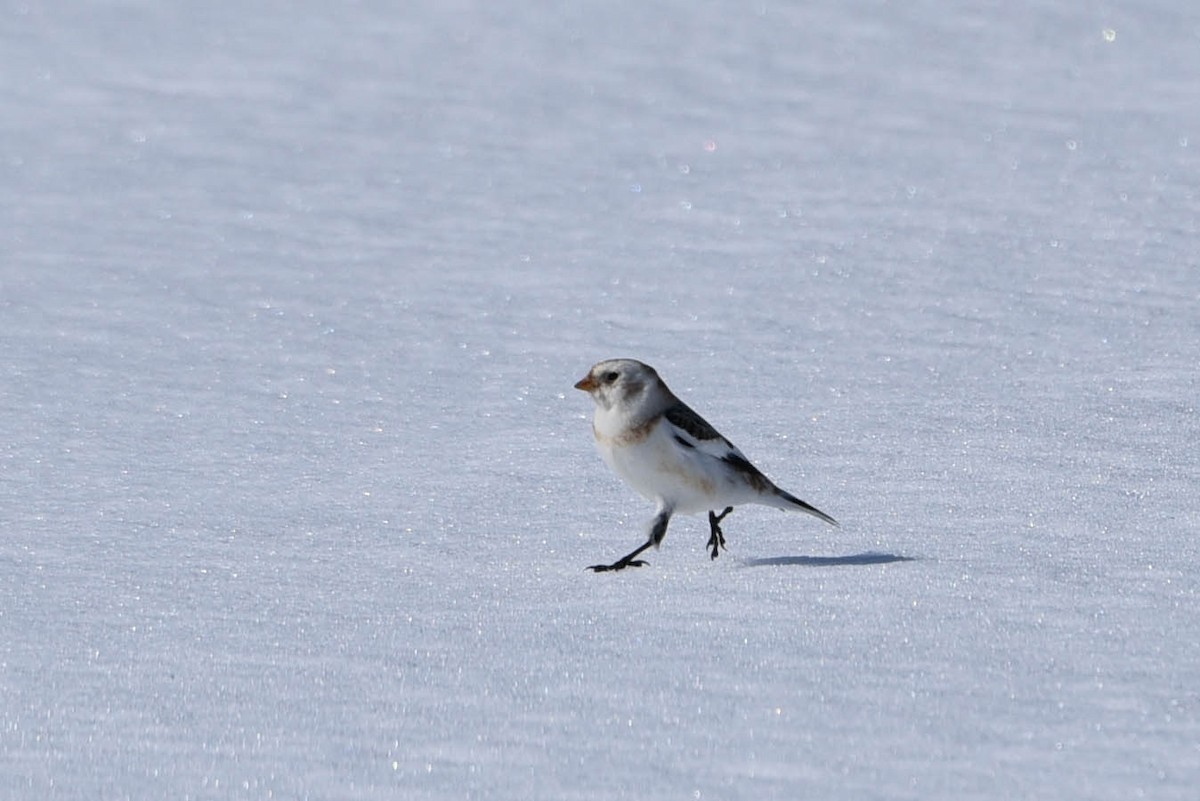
653,463
616,434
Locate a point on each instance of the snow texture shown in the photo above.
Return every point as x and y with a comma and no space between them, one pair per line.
296,496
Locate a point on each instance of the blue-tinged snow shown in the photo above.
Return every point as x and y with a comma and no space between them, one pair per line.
296,497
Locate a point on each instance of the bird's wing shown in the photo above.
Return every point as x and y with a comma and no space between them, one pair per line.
693,426
693,431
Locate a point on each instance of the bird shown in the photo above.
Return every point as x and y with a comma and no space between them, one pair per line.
671,455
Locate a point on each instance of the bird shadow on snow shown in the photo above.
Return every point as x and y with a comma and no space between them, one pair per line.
869,558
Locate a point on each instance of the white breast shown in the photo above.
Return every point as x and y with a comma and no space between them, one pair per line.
651,461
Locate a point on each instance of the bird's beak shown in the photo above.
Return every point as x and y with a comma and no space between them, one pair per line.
587,383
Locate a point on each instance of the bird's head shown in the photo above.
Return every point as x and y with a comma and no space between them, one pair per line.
624,384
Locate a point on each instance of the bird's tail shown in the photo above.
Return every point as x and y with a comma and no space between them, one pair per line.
788,501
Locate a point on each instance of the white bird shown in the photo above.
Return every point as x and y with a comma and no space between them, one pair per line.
671,455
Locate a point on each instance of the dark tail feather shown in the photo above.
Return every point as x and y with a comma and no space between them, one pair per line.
795,503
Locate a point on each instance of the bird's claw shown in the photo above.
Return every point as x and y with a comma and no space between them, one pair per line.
717,543
716,540
619,565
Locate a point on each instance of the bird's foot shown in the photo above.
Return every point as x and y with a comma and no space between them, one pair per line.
620,564
716,542
716,539
628,560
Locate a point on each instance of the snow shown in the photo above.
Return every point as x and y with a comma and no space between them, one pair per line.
296,497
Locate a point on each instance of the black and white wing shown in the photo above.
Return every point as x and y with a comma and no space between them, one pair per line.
693,431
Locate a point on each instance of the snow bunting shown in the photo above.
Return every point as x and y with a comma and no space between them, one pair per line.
671,455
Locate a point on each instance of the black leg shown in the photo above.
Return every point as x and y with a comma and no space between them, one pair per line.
658,530
625,561
716,539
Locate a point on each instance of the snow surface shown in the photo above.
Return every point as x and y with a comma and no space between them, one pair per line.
296,497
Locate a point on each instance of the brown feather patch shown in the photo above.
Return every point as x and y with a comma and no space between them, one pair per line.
631,437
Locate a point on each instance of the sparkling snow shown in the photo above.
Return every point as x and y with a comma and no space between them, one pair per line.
296,496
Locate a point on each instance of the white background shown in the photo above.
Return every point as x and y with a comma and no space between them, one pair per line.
296,497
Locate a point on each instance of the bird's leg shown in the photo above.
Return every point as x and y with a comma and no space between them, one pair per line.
658,530
716,539
625,561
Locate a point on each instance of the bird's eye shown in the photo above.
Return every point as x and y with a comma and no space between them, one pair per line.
609,377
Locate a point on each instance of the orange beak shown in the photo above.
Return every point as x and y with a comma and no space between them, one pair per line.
587,383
